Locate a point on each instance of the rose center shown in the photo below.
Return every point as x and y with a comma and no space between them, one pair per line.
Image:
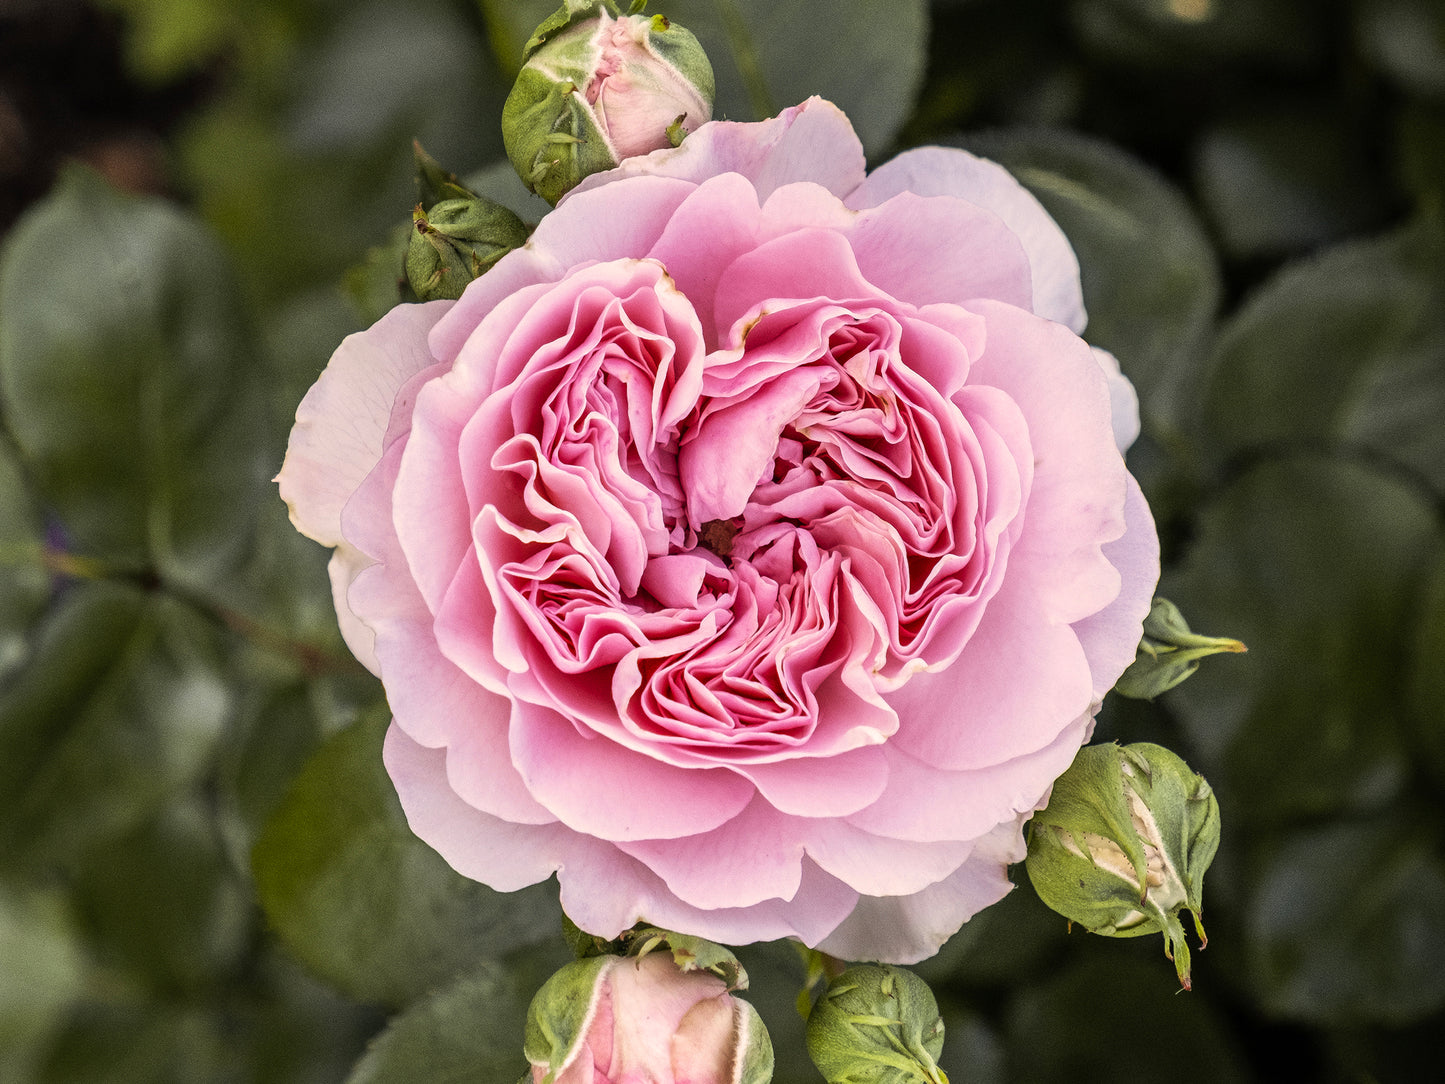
718,534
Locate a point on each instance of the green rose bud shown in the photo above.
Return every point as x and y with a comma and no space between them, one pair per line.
1123,845
1168,653
644,1017
597,87
877,1024
456,241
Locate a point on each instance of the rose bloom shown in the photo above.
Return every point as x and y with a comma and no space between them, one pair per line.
751,549
643,1021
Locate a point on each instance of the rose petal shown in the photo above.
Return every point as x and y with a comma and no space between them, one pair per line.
754,857
921,801
1123,400
345,565
989,706
893,242
505,855
708,1040
605,892
906,929
650,1001
594,785
832,786
878,866
341,423
1076,501
810,142
1110,637
945,171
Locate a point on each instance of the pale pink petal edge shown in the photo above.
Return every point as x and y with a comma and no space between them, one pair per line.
341,423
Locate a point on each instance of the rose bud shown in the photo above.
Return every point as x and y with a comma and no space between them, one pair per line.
456,241
597,87
1168,653
877,1024
614,1019
1123,844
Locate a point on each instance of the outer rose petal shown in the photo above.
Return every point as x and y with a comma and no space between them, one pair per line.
1123,400
477,845
906,929
342,421
921,800
346,564
1110,636
814,142
608,890
947,171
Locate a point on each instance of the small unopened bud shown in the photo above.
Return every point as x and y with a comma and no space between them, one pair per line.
1168,653
456,241
596,87
1123,845
642,1018
877,1024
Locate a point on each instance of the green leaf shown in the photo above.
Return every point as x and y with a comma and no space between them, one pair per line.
766,55
118,710
364,902
468,1031
1406,40
122,356
43,975
1420,155
274,1024
400,70
307,161
1109,1017
133,1043
1346,924
1425,680
1342,349
166,38
24,581
1199,34
1151,280
274,733
866,58
1316,564
1287,179
186,924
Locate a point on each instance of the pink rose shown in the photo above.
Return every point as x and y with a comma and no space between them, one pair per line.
751,549
615,1020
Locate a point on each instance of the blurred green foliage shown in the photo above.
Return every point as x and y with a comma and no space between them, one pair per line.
203,874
